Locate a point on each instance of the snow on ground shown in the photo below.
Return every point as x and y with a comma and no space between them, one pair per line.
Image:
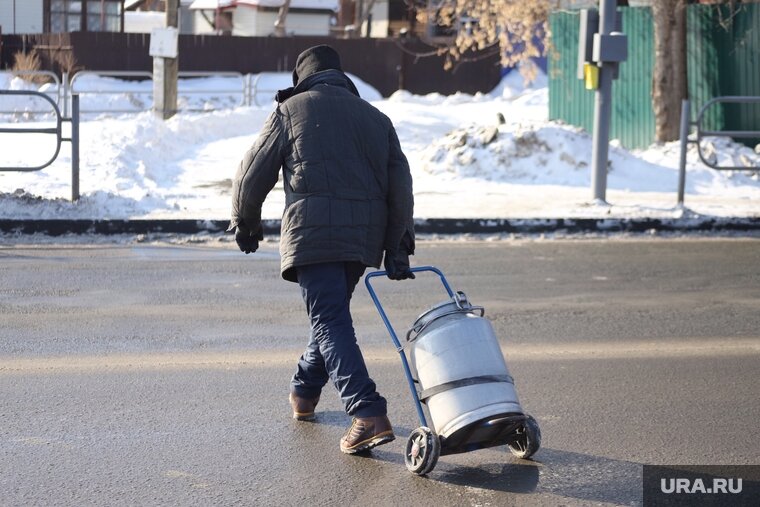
484,156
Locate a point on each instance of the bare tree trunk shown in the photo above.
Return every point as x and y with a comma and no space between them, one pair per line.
669,85
279,24
363,9
367,12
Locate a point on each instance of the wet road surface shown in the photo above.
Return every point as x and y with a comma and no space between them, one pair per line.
157,374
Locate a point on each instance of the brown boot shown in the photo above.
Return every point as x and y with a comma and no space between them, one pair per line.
303,408
366,433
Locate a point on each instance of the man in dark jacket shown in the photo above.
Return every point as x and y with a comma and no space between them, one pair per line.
348,193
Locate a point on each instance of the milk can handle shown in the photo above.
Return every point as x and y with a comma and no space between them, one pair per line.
417,330
380,307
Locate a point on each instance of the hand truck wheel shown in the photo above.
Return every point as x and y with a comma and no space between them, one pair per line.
423,448
528,439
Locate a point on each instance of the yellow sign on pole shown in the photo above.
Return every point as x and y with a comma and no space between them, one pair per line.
591,76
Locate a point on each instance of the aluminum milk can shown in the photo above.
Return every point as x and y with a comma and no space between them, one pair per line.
456,358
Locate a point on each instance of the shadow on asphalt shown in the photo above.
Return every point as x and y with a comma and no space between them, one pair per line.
566,474
555,472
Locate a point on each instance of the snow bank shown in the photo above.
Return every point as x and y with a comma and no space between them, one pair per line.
490,155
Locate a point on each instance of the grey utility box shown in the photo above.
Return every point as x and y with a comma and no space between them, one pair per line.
610,48
591,51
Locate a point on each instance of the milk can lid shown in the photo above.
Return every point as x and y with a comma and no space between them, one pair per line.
457,304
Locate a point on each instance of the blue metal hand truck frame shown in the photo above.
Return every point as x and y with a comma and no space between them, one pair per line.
423,448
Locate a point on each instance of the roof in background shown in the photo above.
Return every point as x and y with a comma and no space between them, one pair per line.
328,5
134,4
211,4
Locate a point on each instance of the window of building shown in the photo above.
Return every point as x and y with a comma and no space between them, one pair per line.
103,16
85,15
65,16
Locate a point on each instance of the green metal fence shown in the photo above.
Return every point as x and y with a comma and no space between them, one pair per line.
568,99
632,114
723,58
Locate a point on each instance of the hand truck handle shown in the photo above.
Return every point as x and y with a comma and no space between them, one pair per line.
379,306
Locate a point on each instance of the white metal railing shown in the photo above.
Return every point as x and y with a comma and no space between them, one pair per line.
56,92
242,89
701,132
249,89
130,92
57,131
254,88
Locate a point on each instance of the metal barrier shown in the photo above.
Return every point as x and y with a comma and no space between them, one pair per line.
254,89
57,131
249,90
142,75
58,93
686,125
243,90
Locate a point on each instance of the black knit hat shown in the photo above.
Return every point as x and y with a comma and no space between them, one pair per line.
315,59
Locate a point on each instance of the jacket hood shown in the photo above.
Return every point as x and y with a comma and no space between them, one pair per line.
315,59
318,64
330,77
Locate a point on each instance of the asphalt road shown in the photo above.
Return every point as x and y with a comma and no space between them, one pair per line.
157,374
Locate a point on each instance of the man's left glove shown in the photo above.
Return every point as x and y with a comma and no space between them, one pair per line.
247,240
397,265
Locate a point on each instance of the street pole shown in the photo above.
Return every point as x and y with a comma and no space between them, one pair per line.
165,71
75,147
685,119
602,110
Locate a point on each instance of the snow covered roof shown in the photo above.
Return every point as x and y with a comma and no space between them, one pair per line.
133,4
211,4
327,5
331,5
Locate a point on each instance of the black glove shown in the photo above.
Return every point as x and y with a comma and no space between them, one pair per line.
397,265
247,241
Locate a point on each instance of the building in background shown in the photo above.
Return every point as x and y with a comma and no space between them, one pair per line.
338,18
21,16
257,17
56,16
201,17
141,16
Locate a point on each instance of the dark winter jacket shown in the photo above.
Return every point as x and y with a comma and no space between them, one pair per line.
347,183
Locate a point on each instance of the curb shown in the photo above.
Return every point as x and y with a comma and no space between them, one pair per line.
422,226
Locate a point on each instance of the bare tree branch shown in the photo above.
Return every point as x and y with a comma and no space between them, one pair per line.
282,14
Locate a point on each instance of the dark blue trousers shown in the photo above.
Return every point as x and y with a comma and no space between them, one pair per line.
332,352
